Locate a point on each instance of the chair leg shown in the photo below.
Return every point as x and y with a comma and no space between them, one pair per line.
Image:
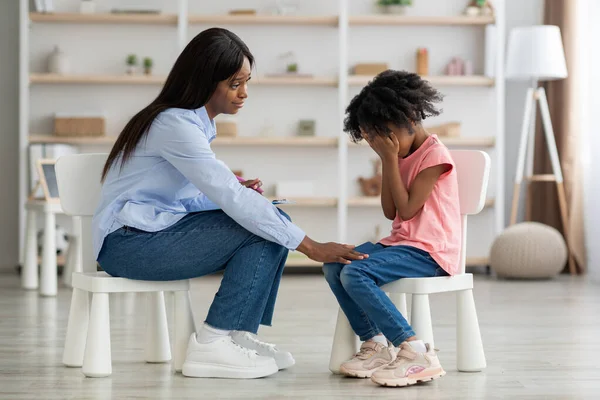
158,348
470,354
184,327
344,343
399,300
421,318
29,275
77,329
97,361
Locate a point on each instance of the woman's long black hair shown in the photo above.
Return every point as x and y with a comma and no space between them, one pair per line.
214,55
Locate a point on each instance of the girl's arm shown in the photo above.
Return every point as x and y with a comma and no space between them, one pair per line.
409,202
387,200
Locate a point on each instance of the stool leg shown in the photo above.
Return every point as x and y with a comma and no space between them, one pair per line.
29,275
48,274
158,348
97,361
421,318
344,343
184,327
77,329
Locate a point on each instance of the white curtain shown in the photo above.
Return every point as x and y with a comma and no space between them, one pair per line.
589,16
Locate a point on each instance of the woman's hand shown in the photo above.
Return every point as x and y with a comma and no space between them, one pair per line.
387,147
330,252
254,184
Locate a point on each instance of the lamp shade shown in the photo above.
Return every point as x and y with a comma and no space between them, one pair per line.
536,53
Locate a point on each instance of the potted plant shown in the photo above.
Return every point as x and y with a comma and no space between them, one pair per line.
394,6
148,63
292,68
131,62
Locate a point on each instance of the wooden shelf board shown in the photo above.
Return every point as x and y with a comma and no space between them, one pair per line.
310,202
292,141
75,140
420,20
104,18
325,20
453,142
98,79
364,201
440,80
159,80
294,80
296,141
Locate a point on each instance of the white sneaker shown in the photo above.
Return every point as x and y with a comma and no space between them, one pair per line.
224,358
283,359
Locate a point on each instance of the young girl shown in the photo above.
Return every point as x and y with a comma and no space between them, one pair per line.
420,194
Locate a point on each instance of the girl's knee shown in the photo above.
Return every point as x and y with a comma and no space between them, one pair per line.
350,275
332,271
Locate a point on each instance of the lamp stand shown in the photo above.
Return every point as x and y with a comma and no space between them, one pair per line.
527,142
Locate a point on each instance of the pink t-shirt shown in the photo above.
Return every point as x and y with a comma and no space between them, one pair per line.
436,228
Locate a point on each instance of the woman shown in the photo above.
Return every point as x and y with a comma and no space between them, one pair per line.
170,210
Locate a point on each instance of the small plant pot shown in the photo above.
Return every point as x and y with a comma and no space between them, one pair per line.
131,69
148,71
395,9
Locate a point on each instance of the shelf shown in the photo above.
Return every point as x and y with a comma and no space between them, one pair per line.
294,81
489,141
419,20
74,140
310,202
440,80
159,80
375,201
293,141
264,20
98,79
106,18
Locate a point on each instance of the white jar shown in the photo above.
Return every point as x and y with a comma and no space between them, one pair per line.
58,63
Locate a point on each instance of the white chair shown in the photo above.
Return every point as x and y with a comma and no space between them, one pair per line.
87,342
473,173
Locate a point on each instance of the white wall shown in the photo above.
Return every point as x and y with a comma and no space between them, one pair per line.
9,134
97,49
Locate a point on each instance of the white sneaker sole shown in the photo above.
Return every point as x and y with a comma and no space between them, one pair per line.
285,362
202,370
408,381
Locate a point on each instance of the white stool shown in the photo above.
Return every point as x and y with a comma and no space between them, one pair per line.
48,272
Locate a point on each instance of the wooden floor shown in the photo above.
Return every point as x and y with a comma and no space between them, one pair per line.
542,341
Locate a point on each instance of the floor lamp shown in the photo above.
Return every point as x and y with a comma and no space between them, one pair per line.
536,54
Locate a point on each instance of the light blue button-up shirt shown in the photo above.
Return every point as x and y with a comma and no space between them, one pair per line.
173,172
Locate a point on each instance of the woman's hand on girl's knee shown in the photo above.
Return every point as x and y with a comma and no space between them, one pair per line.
330,252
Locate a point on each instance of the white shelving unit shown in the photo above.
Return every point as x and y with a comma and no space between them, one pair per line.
182,19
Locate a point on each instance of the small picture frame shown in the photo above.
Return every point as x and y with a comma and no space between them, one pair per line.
48,180
306,127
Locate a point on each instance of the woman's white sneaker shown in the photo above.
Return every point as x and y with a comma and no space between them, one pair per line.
284,359
223,358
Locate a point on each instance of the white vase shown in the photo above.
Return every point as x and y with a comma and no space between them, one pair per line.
395,9
58,63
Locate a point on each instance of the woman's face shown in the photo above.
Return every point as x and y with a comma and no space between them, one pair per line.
230,95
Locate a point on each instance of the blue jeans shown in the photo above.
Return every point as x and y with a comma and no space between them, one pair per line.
201,244
357,288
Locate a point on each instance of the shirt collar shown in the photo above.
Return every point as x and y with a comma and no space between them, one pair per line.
203,115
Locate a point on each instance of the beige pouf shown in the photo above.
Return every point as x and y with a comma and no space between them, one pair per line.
528,250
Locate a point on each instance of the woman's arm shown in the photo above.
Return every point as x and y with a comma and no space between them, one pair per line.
180,140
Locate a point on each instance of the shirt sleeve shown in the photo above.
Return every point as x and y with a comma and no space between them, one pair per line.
181,140
437,155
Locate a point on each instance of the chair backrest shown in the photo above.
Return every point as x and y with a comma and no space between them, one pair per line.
473,171
78,177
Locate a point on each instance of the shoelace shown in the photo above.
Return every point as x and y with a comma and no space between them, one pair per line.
254,340
247,352
365,353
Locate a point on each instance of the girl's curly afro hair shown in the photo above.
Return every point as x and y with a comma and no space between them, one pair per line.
399,97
